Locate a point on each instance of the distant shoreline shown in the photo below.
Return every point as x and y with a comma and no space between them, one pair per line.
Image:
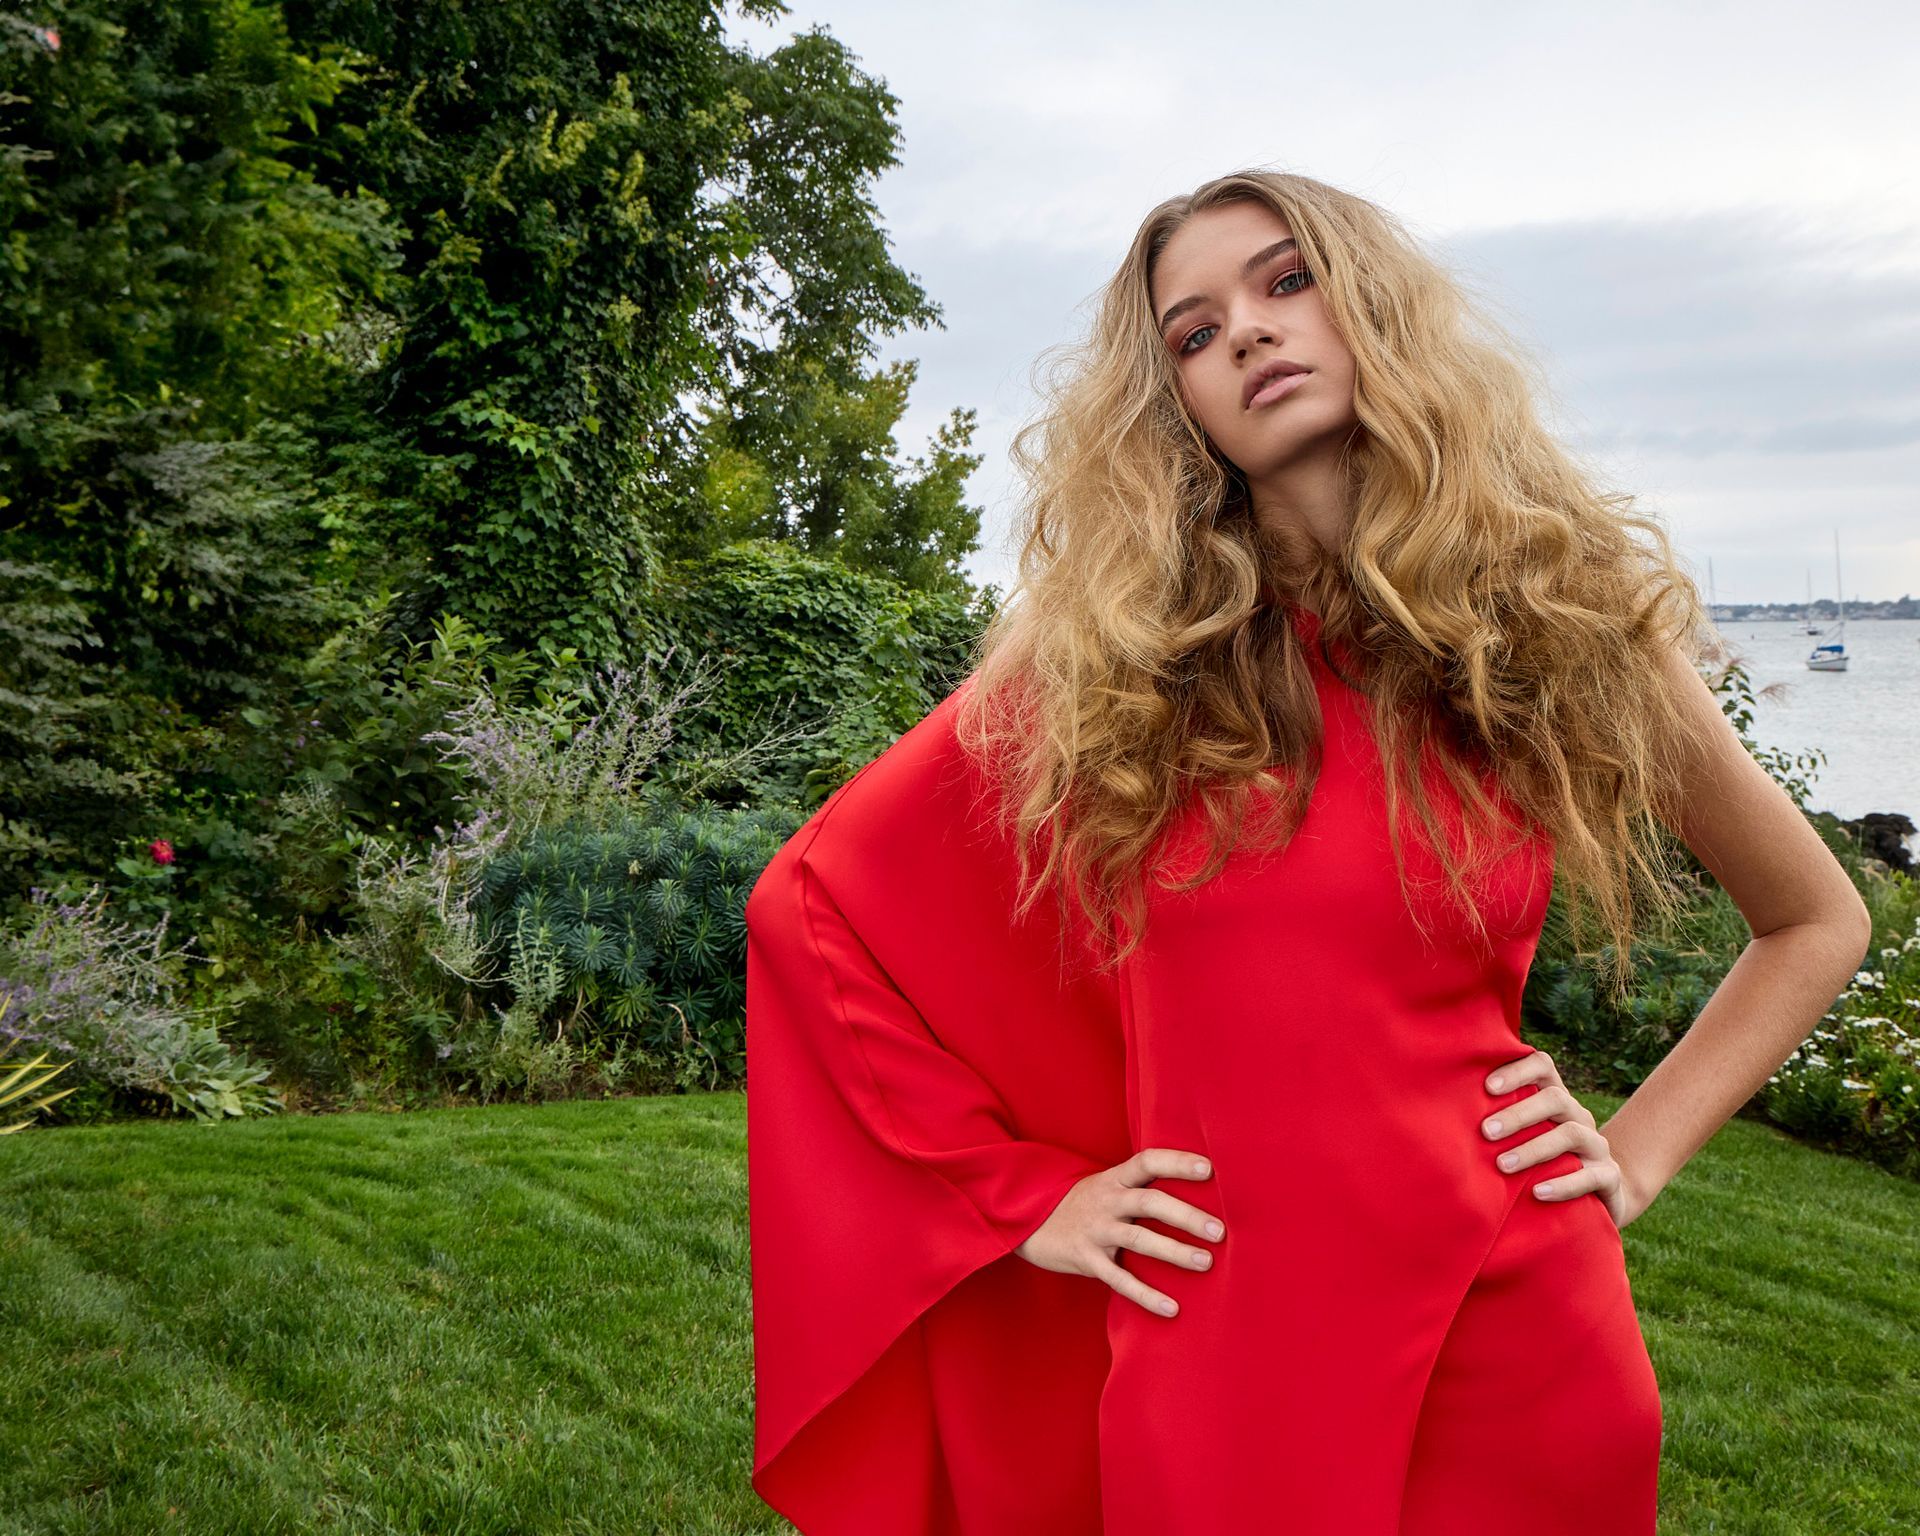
1904,608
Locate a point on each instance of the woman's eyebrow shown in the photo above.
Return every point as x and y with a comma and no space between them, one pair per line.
1252,264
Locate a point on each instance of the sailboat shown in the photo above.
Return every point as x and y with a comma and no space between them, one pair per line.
1807,626
1831,655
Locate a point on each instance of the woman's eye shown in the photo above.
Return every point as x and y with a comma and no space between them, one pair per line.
1299,272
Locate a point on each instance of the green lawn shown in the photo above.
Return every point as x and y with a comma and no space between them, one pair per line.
536,1319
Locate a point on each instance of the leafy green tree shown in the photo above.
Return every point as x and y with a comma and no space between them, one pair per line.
545,165
828,482
492,306
814,279
796,441
614,222
56,782
172,289
164,252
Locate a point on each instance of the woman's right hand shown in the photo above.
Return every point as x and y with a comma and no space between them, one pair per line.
1096,1219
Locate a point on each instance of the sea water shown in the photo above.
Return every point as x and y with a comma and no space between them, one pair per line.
1866,719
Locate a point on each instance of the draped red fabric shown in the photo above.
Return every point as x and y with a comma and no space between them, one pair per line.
1394,1338
925,1081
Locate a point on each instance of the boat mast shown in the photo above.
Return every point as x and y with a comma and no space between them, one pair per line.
1839,592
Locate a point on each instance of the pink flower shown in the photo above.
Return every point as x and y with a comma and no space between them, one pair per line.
162,850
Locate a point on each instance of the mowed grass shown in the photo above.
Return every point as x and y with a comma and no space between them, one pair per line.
521,1318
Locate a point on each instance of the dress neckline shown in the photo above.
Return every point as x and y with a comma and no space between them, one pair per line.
1271,598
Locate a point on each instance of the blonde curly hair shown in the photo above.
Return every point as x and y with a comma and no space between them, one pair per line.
1503,616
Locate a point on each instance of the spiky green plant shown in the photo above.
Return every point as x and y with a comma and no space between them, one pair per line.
22,1081
642,915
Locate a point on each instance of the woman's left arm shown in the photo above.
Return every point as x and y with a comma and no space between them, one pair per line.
1810,933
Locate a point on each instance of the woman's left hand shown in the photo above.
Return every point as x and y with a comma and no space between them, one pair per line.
1575,1132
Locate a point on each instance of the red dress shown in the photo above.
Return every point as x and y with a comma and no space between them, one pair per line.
1395,1337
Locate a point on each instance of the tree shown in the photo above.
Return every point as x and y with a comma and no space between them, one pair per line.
797,439
828,483
172,287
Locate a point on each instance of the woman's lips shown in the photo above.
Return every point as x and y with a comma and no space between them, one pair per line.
1274,389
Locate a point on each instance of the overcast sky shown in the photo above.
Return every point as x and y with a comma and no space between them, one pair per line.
1705,217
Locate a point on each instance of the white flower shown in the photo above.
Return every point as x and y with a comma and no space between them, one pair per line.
1848,1082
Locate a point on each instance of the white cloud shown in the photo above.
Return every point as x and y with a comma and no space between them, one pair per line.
1705,220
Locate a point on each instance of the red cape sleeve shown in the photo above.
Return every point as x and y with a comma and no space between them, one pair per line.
925,1081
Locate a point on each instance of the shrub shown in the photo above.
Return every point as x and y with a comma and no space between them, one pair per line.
637,923
843,660
1855,1082
21,1078
1619,1045
103,994
430,928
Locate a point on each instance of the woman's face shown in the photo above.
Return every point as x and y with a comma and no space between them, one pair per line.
1230,294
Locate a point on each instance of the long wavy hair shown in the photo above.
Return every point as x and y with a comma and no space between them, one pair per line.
1495,605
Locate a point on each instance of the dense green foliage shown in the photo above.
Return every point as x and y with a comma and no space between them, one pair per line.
477,306
169,273
824,480
842,660
636,923
380,385
545,184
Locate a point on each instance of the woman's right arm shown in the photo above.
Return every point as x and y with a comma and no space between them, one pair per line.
1097,1218
1058,1209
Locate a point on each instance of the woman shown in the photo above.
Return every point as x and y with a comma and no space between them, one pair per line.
1324,660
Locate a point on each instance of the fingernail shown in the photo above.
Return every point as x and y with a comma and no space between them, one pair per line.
1167,1308
1543,1190
1201,1169
1495,1084
1214,1229
1493,1127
